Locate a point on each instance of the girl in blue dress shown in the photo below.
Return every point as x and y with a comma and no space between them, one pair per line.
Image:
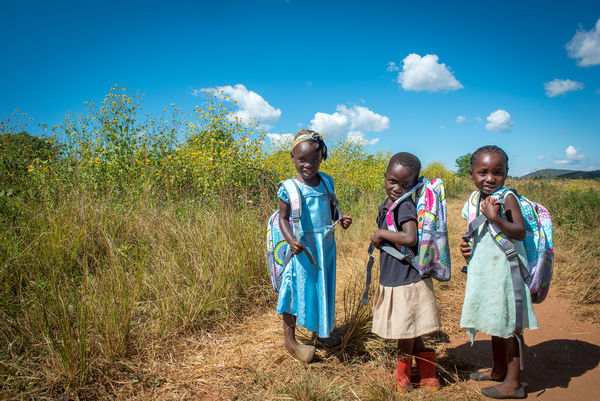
489,304
307,292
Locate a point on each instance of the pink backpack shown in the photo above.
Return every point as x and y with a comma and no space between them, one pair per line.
433,258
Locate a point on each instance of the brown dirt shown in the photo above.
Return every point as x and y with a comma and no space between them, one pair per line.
561,358
246,359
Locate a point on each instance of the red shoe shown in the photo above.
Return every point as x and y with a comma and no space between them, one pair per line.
402,373
426,365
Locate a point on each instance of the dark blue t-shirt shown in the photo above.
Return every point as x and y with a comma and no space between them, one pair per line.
394,272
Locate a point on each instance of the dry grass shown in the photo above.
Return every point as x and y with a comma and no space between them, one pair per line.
154,336
246,360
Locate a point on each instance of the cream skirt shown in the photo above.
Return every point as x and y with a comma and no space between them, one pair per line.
406,311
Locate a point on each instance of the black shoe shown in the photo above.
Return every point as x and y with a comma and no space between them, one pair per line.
330,341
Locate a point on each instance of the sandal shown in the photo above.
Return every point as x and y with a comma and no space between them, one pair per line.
492,392
485,376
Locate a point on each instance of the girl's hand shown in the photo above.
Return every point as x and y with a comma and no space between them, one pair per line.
345,221
377,238
489,210
466,250
296,246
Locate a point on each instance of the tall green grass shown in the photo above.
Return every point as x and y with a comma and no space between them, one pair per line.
86,281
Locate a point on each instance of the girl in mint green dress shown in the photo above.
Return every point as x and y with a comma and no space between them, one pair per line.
489,304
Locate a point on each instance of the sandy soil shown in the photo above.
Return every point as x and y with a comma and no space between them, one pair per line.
561,358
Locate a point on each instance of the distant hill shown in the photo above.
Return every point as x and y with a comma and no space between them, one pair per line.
556,173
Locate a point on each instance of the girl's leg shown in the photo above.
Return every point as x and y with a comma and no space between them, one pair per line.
289,332
302,352
426,362
499,356
419,345
499,366
511,387
512,382
405,347
405,360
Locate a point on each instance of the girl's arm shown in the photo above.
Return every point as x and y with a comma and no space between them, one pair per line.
514,225
284,223
407,236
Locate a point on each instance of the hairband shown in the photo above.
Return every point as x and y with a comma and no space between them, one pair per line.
311,136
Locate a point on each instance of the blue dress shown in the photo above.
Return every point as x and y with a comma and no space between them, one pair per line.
308,291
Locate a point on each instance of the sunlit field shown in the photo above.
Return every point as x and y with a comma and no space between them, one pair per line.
120,231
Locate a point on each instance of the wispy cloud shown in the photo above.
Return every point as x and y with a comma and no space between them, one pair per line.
558,87
392,66
426,74
585,46
499,121
460,119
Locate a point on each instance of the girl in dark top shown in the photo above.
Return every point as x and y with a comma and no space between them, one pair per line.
404,305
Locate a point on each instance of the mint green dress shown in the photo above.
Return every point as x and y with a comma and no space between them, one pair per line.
489,304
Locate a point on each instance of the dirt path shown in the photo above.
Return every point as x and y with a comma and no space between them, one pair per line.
246,360
561,359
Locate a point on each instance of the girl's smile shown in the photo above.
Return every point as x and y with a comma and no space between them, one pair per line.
488,172
399,179
307,160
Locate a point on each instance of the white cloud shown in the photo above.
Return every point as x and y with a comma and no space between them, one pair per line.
499,121
479,119
426,74
442,127
592,168
361,118
252,108
359,137
585,46
280,139
561,86
460,119
331,124
541,157
353,120
572,156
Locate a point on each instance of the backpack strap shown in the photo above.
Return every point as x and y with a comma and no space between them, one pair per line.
295,197
365,296
389,217
328,184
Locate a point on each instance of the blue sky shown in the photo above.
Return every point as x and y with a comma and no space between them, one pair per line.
436,78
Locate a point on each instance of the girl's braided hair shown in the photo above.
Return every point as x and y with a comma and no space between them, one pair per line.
489,149
406,159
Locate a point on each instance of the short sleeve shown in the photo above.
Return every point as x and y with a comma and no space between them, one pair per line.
406,211
465,210
282,194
